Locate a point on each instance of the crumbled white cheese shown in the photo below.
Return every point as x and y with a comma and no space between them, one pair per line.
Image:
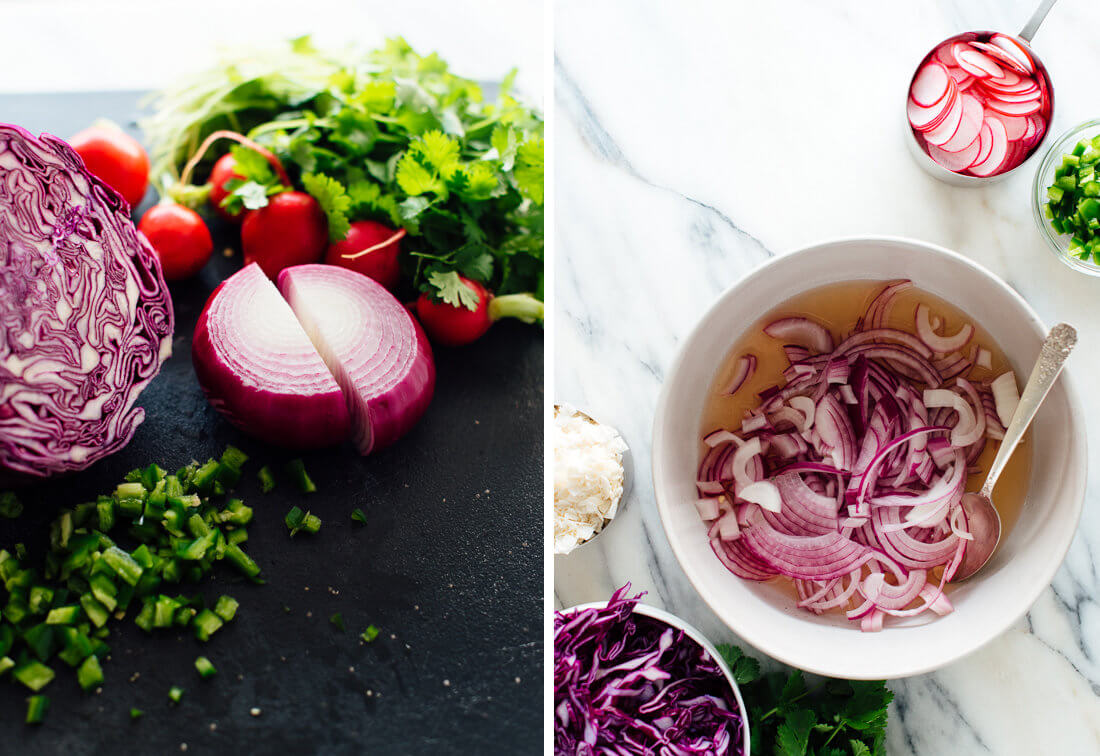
588,477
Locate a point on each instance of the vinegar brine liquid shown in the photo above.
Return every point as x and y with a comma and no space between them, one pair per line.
838,307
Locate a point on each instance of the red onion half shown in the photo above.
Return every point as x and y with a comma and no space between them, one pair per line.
259,368
337,357
847,479
373,346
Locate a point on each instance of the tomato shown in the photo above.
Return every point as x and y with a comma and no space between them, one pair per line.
381,264
455,326
290,230
180,238
116,158
224,170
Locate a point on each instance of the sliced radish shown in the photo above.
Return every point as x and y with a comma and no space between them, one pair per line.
1028,96
977,63
1015,126
985,142
1015,48
950,124
930,85
1002,56
997,152
971,124
925,119
956,161
944,56
1014,108
1010,78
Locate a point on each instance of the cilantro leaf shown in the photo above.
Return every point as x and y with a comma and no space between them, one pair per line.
793,736
436,149
452,290
859,748
529,169
416,179
866,709
367,200
474,261
251,195
505,143
251,165
334,201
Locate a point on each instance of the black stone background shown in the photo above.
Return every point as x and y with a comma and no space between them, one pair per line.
449,565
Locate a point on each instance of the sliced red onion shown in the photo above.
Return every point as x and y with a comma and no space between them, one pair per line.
849,477
708,508
721,436
742,371
935,342
966,430
802,331
1006,396
764,493
741,459
806,406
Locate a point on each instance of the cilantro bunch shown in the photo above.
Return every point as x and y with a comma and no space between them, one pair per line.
391,136
790,718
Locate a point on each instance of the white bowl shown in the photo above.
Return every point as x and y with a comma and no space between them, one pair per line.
985,605
698,637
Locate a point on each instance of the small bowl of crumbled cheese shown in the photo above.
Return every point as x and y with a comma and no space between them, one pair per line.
591,477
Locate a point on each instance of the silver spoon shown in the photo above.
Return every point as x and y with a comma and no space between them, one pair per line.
982,517
1037,17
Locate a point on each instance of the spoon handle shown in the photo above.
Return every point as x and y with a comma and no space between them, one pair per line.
1052,356
1037,17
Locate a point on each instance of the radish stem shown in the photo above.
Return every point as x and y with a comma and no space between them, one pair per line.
277,166
523,307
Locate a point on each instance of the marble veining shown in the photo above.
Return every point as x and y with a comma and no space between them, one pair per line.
693,141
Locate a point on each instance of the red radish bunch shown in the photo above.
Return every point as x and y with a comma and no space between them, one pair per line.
980,104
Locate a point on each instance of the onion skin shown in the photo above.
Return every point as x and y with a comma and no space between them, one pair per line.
304,411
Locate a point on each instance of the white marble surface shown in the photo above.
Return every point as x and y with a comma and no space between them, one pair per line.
694,140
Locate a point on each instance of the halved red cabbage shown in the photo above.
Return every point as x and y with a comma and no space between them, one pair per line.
626,683
85,316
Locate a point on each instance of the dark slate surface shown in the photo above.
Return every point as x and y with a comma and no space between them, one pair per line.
449,566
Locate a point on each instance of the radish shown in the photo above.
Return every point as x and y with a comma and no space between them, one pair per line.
290,229
1001,56
971,124
998,151
985,144
979,104
1016,49
369,248
948,126
930,85
956,161
978,64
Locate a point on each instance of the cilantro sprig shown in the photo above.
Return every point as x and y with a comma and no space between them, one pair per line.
789,717
391,136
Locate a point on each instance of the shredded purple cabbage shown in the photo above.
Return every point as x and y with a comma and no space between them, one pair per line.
625,683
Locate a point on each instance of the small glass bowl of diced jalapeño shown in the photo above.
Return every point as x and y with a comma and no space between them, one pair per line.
1067,198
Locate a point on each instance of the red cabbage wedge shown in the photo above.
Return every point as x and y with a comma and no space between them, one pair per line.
85,316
